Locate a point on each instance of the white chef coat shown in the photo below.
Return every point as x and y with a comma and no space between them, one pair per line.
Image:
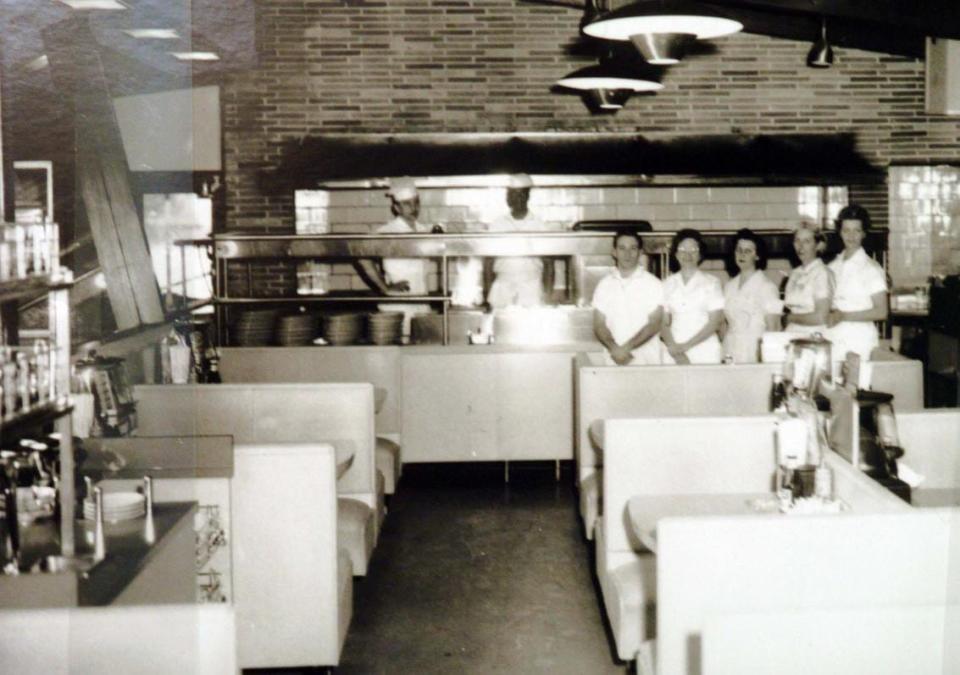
411,270
857,278
689,305
746,308
805,285
519,280
626,304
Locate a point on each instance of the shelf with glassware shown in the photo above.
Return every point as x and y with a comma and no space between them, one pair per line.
35,379
236,255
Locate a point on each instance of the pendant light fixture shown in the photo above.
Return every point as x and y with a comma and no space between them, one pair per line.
821,53
662,29
608,100
606,87
607,76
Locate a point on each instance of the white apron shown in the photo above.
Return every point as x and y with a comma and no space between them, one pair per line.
689,305
746,308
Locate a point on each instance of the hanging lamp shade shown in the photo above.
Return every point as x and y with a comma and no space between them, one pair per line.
821,53
662,49
609,99
607,77
662,16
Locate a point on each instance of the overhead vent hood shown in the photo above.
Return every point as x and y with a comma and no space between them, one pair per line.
793,158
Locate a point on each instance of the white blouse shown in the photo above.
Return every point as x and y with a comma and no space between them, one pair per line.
689,305
746,307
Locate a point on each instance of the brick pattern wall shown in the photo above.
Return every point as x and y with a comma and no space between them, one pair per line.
393,66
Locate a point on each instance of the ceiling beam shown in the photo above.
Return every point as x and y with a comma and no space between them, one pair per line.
841,31
937,18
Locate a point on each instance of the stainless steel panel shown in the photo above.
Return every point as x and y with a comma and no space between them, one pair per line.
514,326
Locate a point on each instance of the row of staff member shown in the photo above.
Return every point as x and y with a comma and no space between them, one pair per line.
691,311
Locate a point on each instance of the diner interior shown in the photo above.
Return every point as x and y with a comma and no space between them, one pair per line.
527,336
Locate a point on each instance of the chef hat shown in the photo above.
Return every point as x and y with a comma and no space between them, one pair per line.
402,188
519,180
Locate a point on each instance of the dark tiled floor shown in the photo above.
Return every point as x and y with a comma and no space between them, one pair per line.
475,576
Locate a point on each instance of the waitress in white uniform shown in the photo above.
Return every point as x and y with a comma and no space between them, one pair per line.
692,304
400,276
751,301
810,286
861,293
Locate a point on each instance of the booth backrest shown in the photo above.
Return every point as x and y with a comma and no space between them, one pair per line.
666,455
285,555
931,441
148,639
268,413
379,366
879,640
708,567
605,392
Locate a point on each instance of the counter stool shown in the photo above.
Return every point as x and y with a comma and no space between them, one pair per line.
388,463
356,533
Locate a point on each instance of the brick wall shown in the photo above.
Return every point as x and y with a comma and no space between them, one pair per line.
488,65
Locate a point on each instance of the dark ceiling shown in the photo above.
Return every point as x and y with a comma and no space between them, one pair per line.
226,27
897,27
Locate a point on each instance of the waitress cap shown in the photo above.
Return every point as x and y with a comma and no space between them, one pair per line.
402,189
519,180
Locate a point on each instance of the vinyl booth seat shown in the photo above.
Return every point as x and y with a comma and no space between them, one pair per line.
340,414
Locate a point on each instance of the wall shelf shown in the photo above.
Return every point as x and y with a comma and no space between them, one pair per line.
587,251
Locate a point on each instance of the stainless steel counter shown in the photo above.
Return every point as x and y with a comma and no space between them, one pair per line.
542,326
128,556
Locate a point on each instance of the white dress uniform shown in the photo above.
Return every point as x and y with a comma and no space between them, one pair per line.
411,270
519,280
746,308
805,285
689,306
857,278
626,304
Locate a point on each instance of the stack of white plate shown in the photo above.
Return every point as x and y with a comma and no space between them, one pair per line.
383,328
342,329
254,327
117,506
297,329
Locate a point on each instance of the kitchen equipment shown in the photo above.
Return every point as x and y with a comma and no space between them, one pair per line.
944,300
808,363
113,404
879,441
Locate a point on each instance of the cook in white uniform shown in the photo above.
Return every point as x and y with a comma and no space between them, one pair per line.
693,306
519,280
810,286
627,306
861,292
751,301
400,276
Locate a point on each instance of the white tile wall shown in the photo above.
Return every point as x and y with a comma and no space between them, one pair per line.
667,208
924,222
